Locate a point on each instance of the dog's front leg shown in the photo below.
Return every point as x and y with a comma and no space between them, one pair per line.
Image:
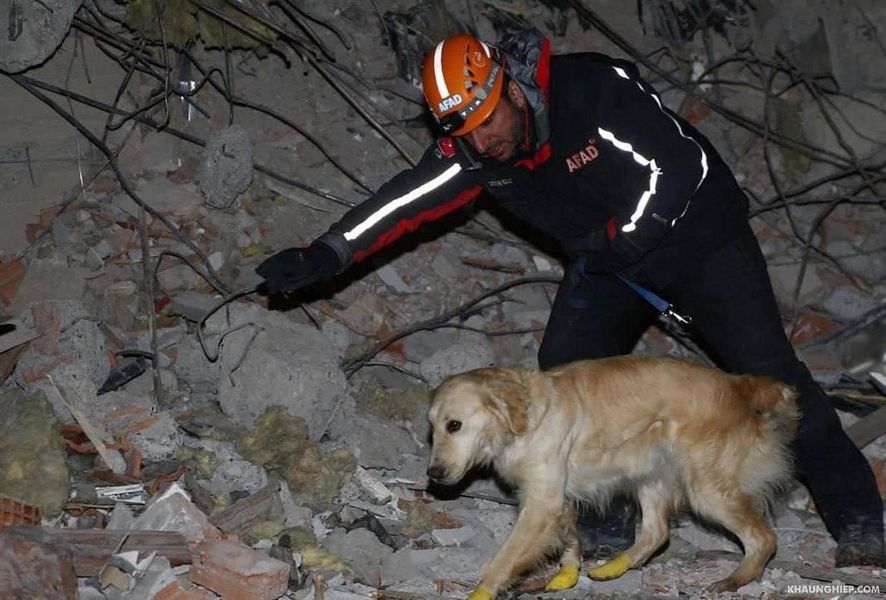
535,528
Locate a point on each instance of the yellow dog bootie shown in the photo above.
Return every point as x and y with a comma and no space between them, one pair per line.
611,568
565,578
481,593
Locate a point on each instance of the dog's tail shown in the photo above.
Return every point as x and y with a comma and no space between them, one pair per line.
768,464
775,402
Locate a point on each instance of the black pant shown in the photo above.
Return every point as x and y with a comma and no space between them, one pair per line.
730,298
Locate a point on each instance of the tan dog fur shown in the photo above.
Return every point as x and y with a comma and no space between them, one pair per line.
675,433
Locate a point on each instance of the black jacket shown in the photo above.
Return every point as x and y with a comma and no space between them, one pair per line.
613,175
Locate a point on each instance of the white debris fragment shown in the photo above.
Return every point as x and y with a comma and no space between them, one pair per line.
392,279
172,490
376,490
453,537
541,263
216,260
128,494
387,511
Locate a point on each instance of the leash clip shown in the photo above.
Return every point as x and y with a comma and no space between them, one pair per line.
679,318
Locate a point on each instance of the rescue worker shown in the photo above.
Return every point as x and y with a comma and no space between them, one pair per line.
582,148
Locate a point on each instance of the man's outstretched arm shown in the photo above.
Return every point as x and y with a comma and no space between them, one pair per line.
438,185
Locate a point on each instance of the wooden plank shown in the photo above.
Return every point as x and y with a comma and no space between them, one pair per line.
263,505
869,428
95,432
13,334
91,548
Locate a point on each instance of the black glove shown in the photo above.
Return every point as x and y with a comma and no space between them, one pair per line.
296,268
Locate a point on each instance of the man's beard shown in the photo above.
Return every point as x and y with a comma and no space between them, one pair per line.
519,134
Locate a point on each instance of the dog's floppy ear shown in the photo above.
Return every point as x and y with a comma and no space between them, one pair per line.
505,398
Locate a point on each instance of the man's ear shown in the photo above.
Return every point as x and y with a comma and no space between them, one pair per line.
506,399
516,95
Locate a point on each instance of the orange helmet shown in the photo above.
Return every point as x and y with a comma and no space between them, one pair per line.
462,79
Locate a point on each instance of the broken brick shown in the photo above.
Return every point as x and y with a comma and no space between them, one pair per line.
44,222
812,325
11,273
13,512
237,572
175,591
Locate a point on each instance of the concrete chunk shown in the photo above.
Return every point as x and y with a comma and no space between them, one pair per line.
375,563
273,361
174,511
377,443
456,359
226,170
45,280
453,537
32,32
192,305
231,472
157,437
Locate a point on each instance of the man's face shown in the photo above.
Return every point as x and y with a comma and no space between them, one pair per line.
504,133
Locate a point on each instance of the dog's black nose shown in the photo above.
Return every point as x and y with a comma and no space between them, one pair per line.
436,472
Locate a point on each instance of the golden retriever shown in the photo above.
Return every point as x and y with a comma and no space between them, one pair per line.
672,432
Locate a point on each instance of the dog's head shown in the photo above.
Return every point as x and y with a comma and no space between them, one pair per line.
472,416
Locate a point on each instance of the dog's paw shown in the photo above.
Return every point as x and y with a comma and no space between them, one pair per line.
611,568
724,585
481,593
565,578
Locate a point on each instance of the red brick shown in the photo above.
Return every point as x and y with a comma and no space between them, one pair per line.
176,591
812,325
13,512
236,572
200,593
11,273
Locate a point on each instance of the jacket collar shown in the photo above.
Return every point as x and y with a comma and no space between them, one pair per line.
528,56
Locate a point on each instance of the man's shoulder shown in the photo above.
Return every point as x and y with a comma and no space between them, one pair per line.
589,63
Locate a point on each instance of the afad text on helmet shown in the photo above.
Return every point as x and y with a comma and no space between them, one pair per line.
450,102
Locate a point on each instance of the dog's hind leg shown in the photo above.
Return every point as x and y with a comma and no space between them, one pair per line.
570,559
654,501
735,511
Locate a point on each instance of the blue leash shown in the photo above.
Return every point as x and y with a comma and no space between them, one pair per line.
661,305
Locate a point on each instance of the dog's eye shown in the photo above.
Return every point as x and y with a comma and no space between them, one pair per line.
453,426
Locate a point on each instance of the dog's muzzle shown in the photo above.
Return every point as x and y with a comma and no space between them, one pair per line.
437,473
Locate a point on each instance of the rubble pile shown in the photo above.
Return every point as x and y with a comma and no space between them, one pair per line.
160,443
